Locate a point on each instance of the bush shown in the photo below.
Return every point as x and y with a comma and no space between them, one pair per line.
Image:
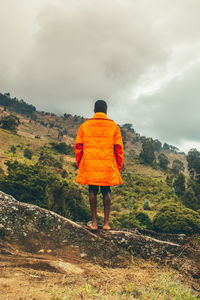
173,218
179,184
42,187
131,220
163,161
28,153
125,221
144,220
190,200
63,148
10,122
13,149
146,205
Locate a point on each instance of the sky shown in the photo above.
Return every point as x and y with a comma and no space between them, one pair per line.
141,56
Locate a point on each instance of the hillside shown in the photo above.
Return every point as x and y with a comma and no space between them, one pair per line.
152,251
38,130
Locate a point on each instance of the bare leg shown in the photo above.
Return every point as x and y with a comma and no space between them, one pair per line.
93,207
106,203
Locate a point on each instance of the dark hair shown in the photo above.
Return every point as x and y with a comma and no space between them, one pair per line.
100,106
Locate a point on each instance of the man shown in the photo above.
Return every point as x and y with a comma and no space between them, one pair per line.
99,156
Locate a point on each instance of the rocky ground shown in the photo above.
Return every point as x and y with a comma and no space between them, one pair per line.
46,256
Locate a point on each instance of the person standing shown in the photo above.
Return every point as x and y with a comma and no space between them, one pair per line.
99,157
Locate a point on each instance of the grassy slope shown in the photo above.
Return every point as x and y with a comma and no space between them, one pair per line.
145,182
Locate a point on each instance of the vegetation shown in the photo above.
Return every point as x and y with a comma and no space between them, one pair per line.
13,104
28,153
39,185
174,218
177,166
63,148
10,122
147,153
163,161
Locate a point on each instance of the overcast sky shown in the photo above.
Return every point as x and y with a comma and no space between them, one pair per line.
141,56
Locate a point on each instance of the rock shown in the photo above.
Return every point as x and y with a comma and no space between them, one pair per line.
38,230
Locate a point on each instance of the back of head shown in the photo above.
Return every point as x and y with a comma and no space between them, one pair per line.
100,106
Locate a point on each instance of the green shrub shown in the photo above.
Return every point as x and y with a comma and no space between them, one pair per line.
125,221
10,122
144,220
173,218
28,153
116,207
63,148
131,220
41,186
146,205
13,149
46,159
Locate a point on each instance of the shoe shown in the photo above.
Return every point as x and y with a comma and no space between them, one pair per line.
89,224
106,227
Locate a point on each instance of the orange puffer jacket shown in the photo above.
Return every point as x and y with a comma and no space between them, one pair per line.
99,152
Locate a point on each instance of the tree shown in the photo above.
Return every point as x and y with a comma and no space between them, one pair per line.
177,166
10,122
28,153
193,159
147,153
129,127
163,161
179,184
157,145
190,200
166,146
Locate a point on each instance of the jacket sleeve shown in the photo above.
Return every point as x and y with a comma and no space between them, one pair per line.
118,148
78,147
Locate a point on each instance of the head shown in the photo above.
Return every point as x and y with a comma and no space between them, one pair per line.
100,106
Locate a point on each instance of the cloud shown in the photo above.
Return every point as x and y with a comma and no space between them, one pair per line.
94,50
140,56
172,113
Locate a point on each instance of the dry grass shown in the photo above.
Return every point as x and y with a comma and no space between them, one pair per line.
142,280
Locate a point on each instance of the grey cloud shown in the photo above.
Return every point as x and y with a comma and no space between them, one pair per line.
172,113
98,50
61,55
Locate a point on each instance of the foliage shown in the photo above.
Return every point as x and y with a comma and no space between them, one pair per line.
147,153
1,172
131,220
129,127
144,220
41,186
46,159
13,149
146,205
177,166
28,153
163,161
10,122
191,197
124,220
169,180
13,104
190,200
63,148
175,218
157,145
193,159
179,184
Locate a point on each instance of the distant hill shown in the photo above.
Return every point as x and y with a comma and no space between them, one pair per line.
46,126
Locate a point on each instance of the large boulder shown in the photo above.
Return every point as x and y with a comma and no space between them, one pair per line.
37,230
